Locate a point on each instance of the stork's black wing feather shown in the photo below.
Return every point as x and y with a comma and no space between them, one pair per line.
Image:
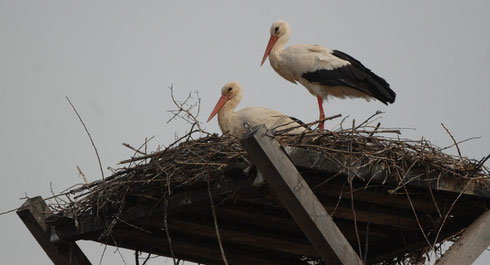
356,76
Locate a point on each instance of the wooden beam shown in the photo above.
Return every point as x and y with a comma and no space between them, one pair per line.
34,213
192,248
420,200
280,223
297,197
259,239
474,240
66,229
343,210
377,174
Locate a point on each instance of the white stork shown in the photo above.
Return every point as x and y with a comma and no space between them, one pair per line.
231,121
324,72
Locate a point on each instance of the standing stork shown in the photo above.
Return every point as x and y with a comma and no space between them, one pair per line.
324,72
233,122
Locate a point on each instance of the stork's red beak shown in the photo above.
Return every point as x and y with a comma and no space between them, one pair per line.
221,102
271,43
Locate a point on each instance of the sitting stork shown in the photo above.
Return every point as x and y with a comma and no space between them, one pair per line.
233,122
324,72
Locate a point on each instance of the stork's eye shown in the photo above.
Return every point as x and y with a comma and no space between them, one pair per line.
276,30
229,89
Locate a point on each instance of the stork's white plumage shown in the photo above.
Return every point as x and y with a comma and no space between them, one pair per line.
231,121
324,72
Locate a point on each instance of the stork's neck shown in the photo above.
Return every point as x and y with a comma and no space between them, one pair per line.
278,47
226,114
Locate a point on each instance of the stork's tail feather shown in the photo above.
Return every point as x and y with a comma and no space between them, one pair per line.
385,93
375,85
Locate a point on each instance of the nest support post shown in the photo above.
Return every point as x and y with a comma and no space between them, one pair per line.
295,194
34,213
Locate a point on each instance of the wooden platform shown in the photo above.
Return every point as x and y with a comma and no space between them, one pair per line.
255,227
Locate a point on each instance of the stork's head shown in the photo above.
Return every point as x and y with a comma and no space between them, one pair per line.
230,91
279,30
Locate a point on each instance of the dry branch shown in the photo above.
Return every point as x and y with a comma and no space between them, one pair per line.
89,136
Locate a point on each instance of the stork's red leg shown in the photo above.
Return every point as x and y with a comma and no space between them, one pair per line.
322,114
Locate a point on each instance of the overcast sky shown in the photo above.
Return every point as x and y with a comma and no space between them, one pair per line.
116,60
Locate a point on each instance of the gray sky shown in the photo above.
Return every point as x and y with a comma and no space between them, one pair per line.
116,60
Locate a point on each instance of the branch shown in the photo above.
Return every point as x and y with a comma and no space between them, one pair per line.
216,227
378,112
165,223
83,175
89,136
134,149
184,110
455,143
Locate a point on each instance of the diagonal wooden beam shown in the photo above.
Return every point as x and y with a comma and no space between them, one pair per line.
34,213
474,240
310,215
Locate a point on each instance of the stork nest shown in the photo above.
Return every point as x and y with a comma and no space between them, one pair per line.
192,160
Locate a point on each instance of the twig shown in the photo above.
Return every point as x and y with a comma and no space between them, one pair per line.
52,192
481,162
378,112
119,252
375,129
433,198
447,214
89,136
216,227
402,180
156,153
133,226
366,244
355,219
83,175
460,142
341,122
165,223
305,125
138,150
455,143
134,149
323,120
182,107
338,202
350,180
147,258
103,253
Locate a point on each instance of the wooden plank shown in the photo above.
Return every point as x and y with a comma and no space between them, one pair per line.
297,197
279,222
403,220
257,239
315,160
420,200
67,230
33,213
474,240
193,248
